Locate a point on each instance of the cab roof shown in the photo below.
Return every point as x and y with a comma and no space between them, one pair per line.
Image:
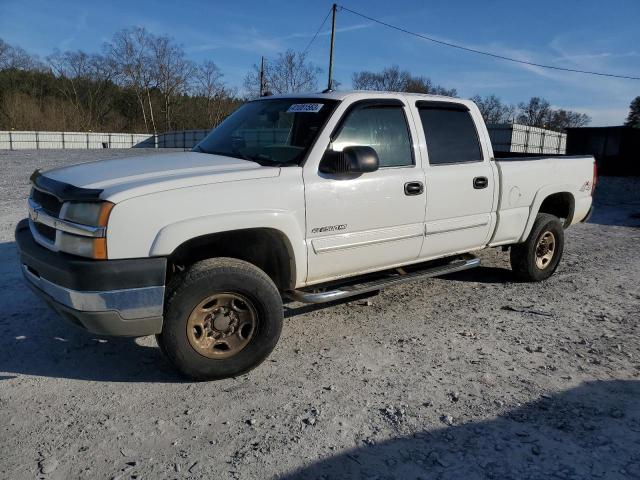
342,94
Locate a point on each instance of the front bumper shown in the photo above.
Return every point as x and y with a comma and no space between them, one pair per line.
107,297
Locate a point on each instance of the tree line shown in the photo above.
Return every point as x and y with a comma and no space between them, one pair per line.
142,82
633,119
536,112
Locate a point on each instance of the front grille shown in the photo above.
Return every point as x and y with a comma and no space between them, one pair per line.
47,201
46,231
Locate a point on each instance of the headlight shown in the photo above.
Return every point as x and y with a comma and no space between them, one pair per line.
95,214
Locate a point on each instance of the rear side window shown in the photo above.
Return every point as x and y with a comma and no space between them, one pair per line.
384,128
451,136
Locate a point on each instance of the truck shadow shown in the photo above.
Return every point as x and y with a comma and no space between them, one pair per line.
592,431
620,216
36,341
617,202
483,274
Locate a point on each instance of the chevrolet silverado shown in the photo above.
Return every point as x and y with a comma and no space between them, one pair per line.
310,198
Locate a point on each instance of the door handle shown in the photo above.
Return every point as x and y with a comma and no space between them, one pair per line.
413,188
480,182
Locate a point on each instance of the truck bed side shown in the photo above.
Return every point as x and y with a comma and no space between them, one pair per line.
527,184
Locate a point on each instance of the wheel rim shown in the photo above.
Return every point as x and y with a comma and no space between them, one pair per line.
222,325
545,250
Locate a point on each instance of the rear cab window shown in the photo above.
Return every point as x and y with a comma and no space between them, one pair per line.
450,133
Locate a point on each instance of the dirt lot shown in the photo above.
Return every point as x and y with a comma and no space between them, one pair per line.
468,376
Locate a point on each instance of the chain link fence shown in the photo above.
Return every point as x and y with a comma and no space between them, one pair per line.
21,140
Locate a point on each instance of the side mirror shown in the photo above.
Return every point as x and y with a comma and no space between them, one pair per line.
356,159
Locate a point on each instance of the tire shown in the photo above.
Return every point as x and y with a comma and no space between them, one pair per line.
223,317
538,257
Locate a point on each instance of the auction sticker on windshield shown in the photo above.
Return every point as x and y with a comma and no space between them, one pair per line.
305,108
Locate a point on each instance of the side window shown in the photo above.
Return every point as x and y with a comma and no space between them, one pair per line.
383,128
451,136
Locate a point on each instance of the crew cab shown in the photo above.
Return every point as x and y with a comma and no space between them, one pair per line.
310,198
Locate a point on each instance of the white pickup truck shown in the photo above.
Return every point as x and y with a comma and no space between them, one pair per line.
310,198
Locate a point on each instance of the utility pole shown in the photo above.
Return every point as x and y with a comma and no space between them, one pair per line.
333,34
261,76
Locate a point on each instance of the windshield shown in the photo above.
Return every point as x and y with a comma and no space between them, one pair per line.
270,132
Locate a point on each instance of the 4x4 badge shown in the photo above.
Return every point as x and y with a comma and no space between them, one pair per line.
586,187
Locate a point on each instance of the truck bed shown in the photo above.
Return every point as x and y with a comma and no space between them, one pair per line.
525,182
514,156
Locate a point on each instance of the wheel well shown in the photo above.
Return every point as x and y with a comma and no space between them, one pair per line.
561,205
266,248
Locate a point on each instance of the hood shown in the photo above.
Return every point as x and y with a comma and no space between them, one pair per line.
124,178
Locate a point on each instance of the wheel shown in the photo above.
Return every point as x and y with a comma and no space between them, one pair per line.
223,317
537,258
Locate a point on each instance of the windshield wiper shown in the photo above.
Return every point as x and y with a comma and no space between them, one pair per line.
243,156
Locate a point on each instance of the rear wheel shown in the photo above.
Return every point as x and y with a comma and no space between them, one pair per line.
537,258
223,317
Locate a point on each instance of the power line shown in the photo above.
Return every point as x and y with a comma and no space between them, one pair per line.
304,52
480,52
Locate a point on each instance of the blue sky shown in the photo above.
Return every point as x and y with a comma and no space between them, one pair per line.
601,35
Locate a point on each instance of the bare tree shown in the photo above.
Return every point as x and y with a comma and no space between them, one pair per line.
5,54
130,51
254,83
171,70
425,85
562,119
86,80
537,112
18,58
493,110
633,119
392,79
209,85
534,113
290,72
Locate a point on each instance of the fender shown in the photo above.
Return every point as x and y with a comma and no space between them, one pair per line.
173,235
539,197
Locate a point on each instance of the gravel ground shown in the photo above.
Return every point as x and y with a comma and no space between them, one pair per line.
468,376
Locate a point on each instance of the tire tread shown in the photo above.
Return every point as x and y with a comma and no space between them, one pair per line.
522,255
202,271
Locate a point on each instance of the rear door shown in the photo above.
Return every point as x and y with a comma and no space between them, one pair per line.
366,222
459,176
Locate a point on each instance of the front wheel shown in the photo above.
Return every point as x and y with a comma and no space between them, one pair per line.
537,258
223,317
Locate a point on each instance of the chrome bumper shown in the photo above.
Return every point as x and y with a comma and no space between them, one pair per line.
108,297
125,312
130,303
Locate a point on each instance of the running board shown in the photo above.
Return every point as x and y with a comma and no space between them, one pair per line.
457,265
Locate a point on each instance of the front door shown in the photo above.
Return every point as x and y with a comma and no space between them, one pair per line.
370,221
